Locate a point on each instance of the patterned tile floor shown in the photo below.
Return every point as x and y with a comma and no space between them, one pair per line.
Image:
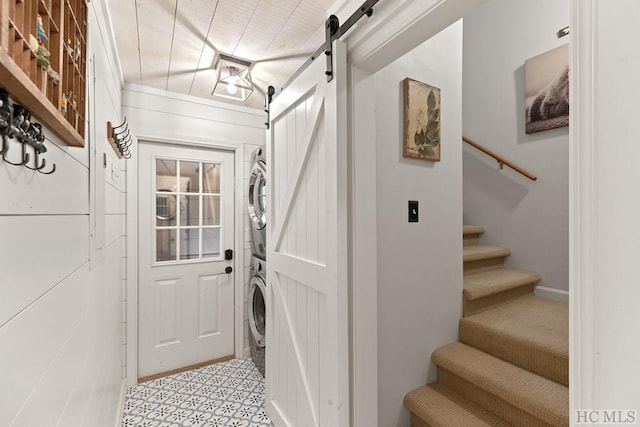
229,394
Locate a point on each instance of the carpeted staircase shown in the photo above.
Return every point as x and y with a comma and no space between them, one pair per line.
511,365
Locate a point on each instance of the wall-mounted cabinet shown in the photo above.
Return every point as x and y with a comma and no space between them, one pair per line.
43,62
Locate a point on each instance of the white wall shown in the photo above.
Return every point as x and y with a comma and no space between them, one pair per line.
60,315
529,217
419,264
165,116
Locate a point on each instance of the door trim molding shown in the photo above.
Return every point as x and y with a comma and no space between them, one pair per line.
583,200
363,310
132,246
238,256
131,317
215,144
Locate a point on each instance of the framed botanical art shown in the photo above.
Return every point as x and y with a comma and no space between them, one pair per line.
421,135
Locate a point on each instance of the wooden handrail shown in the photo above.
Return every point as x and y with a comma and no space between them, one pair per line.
501,160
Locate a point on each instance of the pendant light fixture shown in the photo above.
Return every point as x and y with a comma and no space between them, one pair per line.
233,78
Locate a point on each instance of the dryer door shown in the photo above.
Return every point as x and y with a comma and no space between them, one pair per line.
257,293
258,196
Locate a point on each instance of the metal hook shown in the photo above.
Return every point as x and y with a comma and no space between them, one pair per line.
37,168
25,124
6,119
5,145
36,161
122,134
35,132
39,149
25,156
53,169
123,123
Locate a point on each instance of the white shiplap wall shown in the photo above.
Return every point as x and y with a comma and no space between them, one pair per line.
157,115
60,314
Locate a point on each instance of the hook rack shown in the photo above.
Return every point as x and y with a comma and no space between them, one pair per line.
16,123
120,139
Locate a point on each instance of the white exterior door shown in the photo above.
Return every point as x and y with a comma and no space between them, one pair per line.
307,375
186,222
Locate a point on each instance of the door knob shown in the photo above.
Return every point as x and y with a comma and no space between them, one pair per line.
228,270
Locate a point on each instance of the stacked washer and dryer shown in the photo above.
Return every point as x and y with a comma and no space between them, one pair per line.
257,284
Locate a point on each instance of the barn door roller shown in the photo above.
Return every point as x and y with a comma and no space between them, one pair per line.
333,31
331,28
366,9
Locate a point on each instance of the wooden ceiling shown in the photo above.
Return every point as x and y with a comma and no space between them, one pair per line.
173,44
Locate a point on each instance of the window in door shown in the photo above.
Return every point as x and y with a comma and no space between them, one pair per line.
187,208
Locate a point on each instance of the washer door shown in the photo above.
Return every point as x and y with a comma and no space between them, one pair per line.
258,196
257,293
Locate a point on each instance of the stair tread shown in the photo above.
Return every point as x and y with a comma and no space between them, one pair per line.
529,332
438,405
474,253
487,283
472,229
539,322
538,396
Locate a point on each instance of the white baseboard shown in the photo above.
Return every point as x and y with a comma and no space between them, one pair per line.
123,389
552,294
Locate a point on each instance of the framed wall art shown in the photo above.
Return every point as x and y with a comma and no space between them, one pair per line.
421,136
546,89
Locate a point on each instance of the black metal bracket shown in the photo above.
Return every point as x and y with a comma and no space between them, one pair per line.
333,31
562,32
267,104
331,28
366,9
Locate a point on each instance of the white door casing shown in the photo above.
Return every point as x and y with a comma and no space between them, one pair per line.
307,360
186,304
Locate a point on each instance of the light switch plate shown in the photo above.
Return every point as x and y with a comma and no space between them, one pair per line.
413,211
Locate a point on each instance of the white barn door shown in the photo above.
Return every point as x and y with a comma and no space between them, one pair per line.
307,357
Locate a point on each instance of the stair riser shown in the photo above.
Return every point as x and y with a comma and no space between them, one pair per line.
437,406
499,406
487,264
551,366
471,240
417,422
475,306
